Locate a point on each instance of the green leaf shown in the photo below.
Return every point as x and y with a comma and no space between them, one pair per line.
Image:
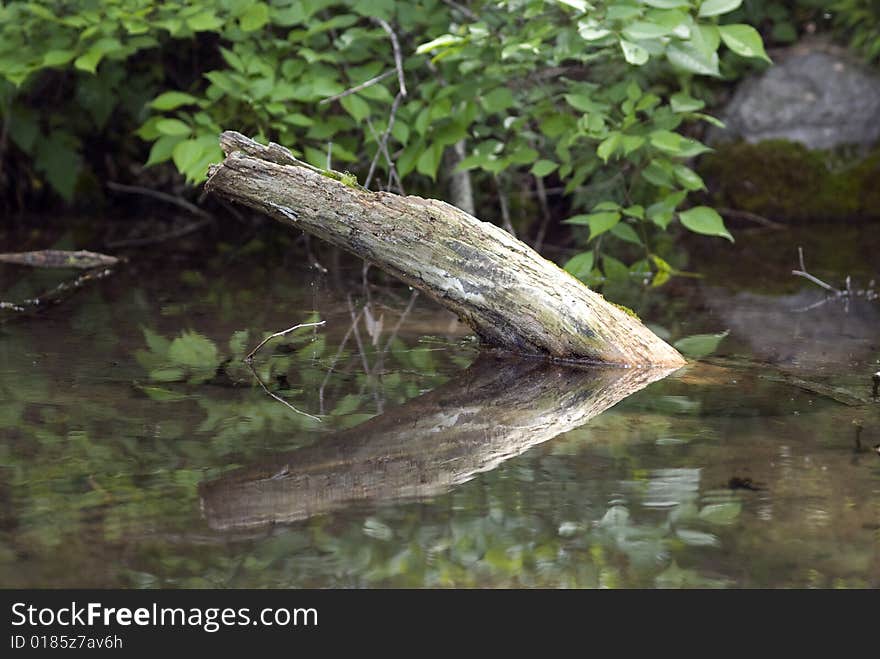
631,142
661,213
699,345
633,53
646,30
635,211
626,233
166,374
580,265
697,538
743,40
429,161
621,12
89,60
185,154
688,178
718,7
440,42
162,149
666,4
544,167
721,514
579,5
599,223
659,173
667,141
682,102
524,155
172,100
608,146
58,57
157,343
498,99
614,269
688,57
172,127
193,350
356,107
255,17
706,221
590,30
238,342
204,21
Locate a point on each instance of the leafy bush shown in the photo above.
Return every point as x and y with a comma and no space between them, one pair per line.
595,95
859,21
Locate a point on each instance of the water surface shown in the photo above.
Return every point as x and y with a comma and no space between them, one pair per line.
138,450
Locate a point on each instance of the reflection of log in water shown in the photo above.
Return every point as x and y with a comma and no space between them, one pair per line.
494,411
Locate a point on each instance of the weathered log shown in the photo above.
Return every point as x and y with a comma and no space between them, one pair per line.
495,410
505,291
56,258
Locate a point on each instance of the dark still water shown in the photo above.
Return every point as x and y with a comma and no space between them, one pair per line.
138,450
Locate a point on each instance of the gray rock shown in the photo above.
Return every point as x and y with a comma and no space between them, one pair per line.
818,99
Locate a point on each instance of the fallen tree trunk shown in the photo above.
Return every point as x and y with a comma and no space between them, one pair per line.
506,292
495,410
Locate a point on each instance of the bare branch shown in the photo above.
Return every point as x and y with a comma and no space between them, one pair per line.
545,213
505,209
806,275
395,45
171,235
251,354
464,10
161,196
751,217
277,397
357,88
383,148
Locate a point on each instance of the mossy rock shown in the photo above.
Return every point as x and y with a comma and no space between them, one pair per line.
785,181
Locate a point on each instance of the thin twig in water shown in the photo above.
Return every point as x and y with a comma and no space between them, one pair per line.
357,338
396,328
357,88
250,356
806,275
336,359
162,196
277,397
55,294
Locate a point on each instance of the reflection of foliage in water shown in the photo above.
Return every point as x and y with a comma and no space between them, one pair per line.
101,462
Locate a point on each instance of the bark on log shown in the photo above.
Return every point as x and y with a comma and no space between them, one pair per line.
495,410
506,292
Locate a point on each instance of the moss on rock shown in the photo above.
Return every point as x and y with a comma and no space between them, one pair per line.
788,182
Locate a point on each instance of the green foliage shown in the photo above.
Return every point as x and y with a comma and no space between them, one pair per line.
699,345
596,94
859,22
